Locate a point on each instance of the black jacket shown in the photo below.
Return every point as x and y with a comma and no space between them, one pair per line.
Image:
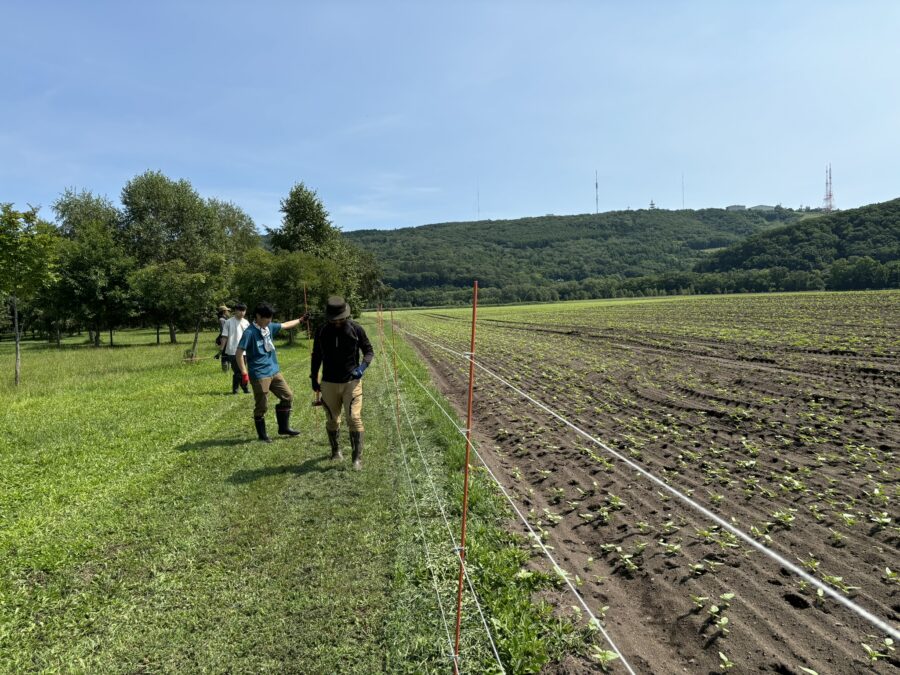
336,350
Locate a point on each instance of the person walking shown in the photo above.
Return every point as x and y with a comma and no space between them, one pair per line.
336,349
258,364
232,332
222,315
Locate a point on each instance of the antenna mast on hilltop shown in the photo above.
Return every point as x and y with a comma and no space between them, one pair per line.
596,193
829,195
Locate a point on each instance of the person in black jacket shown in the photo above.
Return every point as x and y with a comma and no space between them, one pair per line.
336,349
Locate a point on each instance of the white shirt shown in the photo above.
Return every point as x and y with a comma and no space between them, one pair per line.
233,330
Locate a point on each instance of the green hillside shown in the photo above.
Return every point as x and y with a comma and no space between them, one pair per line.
815,244
533,258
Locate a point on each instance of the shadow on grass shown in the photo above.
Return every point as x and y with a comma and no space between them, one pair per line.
212,443
309,466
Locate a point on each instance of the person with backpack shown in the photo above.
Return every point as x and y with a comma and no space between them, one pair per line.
336,350
232,332
258,364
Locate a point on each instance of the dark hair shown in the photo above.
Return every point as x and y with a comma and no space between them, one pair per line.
240,307
264,309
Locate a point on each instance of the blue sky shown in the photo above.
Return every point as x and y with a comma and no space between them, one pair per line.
407,113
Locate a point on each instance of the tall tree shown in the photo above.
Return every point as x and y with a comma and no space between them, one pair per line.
164,219
27,253
240,230
305,225
94,265
166,222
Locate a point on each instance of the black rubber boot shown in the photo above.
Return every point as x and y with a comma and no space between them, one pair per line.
356,440
335,446
283,415
260,423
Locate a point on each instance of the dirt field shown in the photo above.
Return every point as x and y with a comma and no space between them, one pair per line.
778,413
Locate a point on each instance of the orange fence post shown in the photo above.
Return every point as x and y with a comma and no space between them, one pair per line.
465,504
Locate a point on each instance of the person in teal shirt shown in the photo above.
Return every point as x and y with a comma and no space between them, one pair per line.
258,363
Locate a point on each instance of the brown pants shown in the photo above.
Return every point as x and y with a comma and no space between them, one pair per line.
347,397
278,386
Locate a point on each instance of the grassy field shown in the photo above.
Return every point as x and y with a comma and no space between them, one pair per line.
143,528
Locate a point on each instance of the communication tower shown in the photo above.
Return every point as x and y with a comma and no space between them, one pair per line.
829,196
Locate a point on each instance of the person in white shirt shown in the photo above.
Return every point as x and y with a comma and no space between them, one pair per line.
232,331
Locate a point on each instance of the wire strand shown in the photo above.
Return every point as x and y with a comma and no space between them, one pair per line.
428,562
565,576
777,557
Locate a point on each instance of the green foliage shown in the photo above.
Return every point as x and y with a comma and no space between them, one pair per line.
27,252
240,231
164,220
279,278
305,226
551,257
854,249
94,265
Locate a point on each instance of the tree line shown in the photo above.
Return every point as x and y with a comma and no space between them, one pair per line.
165,258
640,253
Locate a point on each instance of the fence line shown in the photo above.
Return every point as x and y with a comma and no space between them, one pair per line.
457,550
777,557
456,547
428,563
565,576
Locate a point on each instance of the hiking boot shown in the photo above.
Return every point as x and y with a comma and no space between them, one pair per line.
356,440
335,448
283,415
260,423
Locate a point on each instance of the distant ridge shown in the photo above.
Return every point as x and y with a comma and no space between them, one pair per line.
635,253
869,231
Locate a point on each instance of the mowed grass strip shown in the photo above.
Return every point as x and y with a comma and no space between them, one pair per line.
142,527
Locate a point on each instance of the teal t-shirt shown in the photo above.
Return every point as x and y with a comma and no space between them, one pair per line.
260,363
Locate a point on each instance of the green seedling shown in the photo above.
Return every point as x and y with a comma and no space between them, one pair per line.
671,549
724,662
604,657
722,624
699,601
839,583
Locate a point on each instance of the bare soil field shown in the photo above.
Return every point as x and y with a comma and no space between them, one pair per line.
778,413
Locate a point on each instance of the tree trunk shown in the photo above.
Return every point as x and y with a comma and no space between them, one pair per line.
90,335
110,336
16,329
172,338
97,336
157,333
58,336
291,336
196,338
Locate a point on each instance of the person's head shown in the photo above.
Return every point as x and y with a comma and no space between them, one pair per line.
223,311
240,309
263,314
336,310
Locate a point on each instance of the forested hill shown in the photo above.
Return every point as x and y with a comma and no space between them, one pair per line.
522,256
871,232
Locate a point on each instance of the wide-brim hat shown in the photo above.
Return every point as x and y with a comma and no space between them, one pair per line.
224,308
336,308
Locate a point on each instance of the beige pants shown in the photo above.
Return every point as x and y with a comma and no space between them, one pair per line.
347,397
278,386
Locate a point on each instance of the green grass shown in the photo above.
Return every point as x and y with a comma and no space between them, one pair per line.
143,528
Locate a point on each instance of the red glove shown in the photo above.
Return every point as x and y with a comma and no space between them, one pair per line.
245,379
